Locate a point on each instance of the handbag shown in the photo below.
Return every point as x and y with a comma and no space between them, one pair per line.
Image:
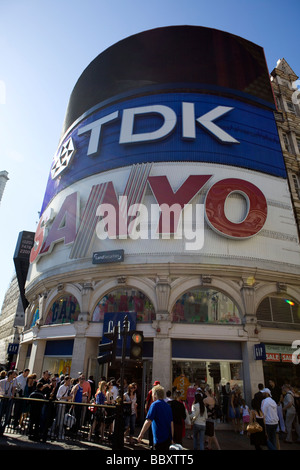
254,427
69,420
209,428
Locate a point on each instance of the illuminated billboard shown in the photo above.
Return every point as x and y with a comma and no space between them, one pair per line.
173,116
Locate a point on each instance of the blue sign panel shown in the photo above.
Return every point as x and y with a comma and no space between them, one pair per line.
112,319
12,348
260,352
168,127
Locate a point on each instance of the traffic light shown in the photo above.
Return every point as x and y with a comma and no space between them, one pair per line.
136,344
107,351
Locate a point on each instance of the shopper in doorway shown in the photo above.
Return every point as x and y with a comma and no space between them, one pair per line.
160,418
210,404
198,418
234,408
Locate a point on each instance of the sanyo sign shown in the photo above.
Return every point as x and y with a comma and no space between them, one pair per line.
127,129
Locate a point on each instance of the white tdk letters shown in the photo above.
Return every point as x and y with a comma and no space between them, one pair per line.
127,136
189,122
206,121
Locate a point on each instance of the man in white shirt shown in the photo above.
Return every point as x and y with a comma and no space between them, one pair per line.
269,409
63,395
21,381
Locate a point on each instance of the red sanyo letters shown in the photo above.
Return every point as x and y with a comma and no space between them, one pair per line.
66,227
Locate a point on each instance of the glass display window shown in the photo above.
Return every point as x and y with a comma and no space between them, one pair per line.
64,310
205,306
220,376
125,300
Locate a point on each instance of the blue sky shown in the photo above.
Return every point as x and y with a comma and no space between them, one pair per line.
46,45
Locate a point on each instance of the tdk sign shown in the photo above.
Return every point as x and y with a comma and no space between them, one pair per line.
128,135
166,127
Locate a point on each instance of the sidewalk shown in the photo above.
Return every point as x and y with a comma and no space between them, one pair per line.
227,439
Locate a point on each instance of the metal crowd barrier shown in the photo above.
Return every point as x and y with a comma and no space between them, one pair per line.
43,420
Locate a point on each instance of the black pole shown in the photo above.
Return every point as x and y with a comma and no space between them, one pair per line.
118,439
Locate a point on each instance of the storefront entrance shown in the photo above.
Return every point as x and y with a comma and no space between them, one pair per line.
279,366
138,372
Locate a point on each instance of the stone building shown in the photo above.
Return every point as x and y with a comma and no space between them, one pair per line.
286,86
160,119
3,180
11,324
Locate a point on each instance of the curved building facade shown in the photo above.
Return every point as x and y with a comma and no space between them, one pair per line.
168,201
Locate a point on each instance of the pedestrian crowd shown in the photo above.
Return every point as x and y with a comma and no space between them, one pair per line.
52,404
169,416
275,409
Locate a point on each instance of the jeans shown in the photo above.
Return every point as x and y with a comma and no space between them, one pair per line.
5,412
290,419
130,423
271,433
198,436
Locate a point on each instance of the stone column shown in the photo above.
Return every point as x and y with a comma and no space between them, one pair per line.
21,358
80,349
37,357
162,344
253,370
87,290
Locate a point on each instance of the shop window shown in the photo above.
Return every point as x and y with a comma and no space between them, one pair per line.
125,300
218,375
205,306
63,310
279,310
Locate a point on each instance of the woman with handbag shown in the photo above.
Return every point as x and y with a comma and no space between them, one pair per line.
258,437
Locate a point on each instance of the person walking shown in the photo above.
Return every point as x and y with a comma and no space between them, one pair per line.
269,409
210,404
179,415
277,396
99,416
257,439
130,399
234,408
160,418
291,417
245,416
148,403
198,418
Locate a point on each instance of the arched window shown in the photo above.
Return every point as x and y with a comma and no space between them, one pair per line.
279,309
63,310
125,300
35,317
205,306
